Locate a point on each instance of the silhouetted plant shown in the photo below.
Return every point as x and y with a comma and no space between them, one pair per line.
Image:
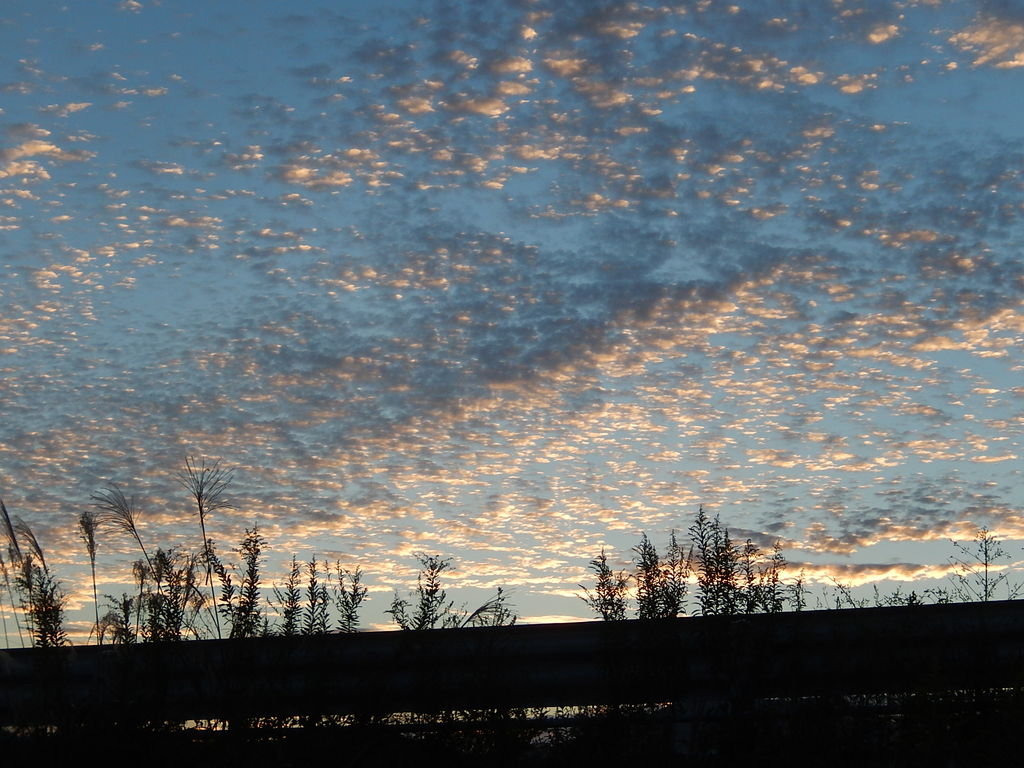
14,548
14,557
171,608
730,579
660,583
115,509
28,539
647,571
433,610
978,577
317,602
249,620
117,622
207,485
431,604
240,603
897,597
978,573
798,592
349,595
717,567
608,600
44,601
938,595
42,596
844,598
762,581
3,614
290,600
496,612
140,573
734,579
87,530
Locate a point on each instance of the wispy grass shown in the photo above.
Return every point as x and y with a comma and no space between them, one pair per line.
14,558
42,597
207,485
119,511
87,530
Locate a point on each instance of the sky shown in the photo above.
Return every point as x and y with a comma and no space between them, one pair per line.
514,281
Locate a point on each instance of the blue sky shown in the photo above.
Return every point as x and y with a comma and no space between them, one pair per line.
512,281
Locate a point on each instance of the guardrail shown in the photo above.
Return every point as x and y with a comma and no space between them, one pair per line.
931,649
938,684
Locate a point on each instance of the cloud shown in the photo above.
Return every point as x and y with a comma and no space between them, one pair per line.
166,168
567,66
518,294
855,83
63,110
488,106
512,65
993,41
416,105
883,33
19,161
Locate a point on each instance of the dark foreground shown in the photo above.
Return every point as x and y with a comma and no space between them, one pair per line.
936,685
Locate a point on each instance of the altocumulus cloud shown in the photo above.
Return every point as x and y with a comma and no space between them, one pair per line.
511,282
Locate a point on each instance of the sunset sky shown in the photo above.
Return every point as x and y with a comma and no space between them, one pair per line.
510,281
